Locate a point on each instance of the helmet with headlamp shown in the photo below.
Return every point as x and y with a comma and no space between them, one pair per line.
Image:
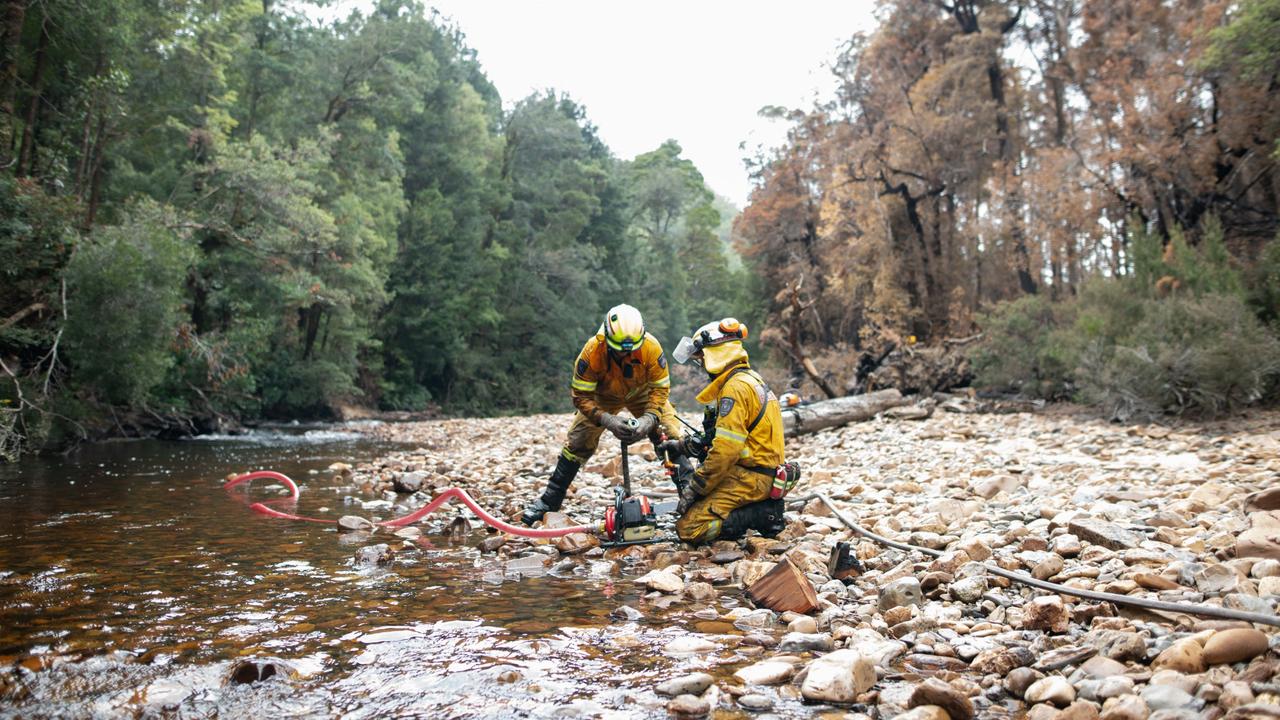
722,334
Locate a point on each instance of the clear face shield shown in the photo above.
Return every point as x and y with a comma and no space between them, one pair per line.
684,350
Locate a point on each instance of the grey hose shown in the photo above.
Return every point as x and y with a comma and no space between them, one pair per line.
1188,608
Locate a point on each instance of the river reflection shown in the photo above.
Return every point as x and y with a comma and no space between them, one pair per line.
131,584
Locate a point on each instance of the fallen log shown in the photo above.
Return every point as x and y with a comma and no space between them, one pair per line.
839,411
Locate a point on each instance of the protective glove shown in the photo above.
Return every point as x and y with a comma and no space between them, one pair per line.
644,426
688,496
619,426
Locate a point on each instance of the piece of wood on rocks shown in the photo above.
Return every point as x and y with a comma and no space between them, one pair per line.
839,411
784,588
843,562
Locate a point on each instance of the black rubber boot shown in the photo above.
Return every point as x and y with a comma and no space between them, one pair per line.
765,517
566,470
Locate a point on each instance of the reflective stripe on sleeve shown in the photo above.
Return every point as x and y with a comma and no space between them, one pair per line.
584,385
729,434
664,382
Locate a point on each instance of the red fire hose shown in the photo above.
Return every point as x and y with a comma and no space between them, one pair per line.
413,517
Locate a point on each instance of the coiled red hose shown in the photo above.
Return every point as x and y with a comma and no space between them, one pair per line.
413,517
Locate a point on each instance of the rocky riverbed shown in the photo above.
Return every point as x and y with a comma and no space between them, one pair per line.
1184,513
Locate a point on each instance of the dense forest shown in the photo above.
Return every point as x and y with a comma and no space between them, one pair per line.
226,209
216,210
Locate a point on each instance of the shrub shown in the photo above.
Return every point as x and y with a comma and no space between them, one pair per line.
1023,348
1185,354
125,291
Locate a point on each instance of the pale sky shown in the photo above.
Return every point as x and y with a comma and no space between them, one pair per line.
696,71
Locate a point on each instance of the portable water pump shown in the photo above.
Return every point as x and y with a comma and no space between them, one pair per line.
629,521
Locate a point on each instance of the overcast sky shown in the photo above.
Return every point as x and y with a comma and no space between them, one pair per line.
697,70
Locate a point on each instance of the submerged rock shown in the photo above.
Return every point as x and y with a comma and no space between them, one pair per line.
686,685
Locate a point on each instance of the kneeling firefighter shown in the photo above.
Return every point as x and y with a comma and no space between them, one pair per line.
744,475
620,367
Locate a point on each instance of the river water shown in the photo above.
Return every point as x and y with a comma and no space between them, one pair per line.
132,585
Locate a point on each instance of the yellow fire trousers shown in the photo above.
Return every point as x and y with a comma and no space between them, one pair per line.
702,522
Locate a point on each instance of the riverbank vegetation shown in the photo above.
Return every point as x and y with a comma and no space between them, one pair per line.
222,210
213,211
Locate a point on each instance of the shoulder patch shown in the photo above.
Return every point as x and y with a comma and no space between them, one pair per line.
662,360
726,406
582,367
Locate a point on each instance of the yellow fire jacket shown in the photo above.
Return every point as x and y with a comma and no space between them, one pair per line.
600,378
737,393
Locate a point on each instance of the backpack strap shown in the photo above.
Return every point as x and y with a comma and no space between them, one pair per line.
763,394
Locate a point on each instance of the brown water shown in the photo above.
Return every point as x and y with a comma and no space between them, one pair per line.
131,585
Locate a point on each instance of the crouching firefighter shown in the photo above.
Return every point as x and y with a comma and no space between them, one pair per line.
744,475
620,367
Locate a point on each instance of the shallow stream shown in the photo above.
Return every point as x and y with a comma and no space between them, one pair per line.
132,585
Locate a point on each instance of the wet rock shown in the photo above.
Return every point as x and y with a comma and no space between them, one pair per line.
700,592
870,644
626,612
1167,697
662,581
756,702
805,642
1184,656
355,523
1235,645
492,543
803,624
576,543
1101,532
686,685
1046,612
408,533
1019,679
253,670
1001,660
1078,710
1125,707
528,565
688,645
410,482
724,557
923,712
838,677
768,672
458,530
375,555
937,692
747,572
758,618
1051,689
688,706
903,591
